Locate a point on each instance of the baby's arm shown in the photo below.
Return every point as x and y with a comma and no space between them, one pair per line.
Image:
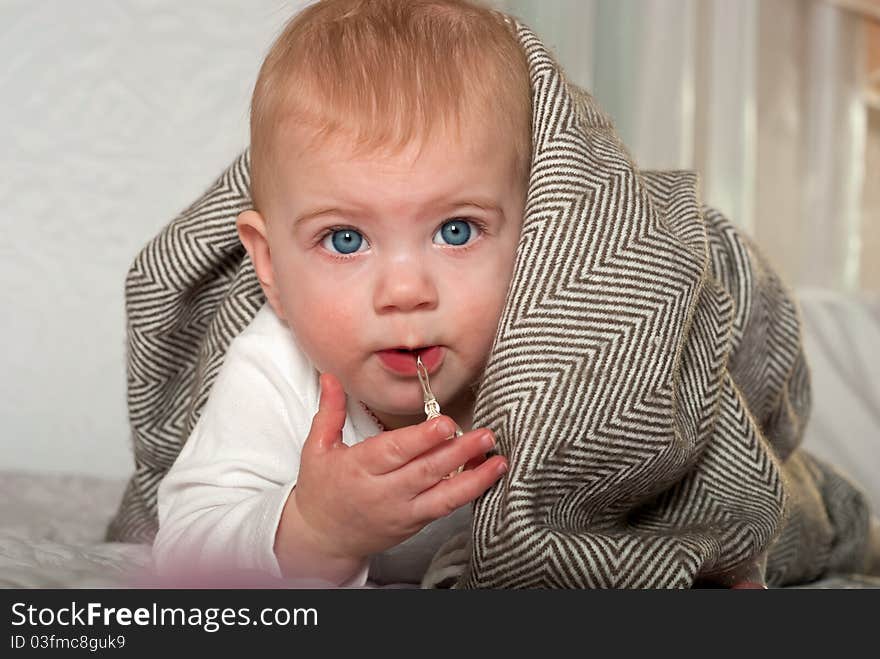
352,502
220,504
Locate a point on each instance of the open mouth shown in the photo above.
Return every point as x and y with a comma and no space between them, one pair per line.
403,360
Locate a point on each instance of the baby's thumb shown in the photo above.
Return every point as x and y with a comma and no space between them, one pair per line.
326,430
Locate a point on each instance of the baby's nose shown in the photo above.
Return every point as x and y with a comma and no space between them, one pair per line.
405,286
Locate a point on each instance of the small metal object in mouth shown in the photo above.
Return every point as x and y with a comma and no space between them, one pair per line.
432,407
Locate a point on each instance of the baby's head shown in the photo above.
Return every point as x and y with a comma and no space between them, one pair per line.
390,151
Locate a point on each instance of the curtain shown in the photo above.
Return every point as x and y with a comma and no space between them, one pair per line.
773,102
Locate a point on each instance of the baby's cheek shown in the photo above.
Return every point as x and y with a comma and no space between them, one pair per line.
332,328
316,300
324,328
336,317
481,323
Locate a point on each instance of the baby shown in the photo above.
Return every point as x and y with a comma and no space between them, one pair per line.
390,150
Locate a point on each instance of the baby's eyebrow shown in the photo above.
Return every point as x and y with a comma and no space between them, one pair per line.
484,204
313,214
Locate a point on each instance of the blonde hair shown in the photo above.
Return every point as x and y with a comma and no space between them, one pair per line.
387,71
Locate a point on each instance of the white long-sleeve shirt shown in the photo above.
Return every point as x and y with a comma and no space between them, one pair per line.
220,504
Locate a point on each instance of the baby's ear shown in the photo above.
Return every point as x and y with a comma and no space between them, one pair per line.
252,234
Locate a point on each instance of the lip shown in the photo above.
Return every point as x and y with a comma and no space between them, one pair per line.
401,363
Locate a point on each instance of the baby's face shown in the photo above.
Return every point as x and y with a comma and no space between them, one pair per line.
380,252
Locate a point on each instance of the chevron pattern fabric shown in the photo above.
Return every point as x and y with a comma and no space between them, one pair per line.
646,382
189,292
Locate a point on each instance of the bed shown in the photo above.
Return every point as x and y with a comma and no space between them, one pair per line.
52,524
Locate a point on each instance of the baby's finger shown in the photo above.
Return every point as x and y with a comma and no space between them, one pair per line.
326,430
428,468
449,495
391,450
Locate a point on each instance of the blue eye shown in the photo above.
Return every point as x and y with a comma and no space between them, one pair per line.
455,232
345,241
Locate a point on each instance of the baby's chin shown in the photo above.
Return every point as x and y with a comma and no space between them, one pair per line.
396,418
405,409
396,408
398,397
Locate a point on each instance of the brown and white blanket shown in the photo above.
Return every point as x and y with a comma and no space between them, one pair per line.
646,381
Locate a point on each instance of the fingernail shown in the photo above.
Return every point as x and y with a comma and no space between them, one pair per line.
445,428
487,441
502,469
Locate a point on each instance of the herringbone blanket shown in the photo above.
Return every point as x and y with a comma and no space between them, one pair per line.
646,381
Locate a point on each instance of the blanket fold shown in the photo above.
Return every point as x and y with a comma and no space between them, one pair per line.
647,380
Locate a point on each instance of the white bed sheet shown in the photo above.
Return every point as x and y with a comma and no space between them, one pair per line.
52,530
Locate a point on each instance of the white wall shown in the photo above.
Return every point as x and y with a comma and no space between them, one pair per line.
114,117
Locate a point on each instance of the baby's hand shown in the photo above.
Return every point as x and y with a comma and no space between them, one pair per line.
353,501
